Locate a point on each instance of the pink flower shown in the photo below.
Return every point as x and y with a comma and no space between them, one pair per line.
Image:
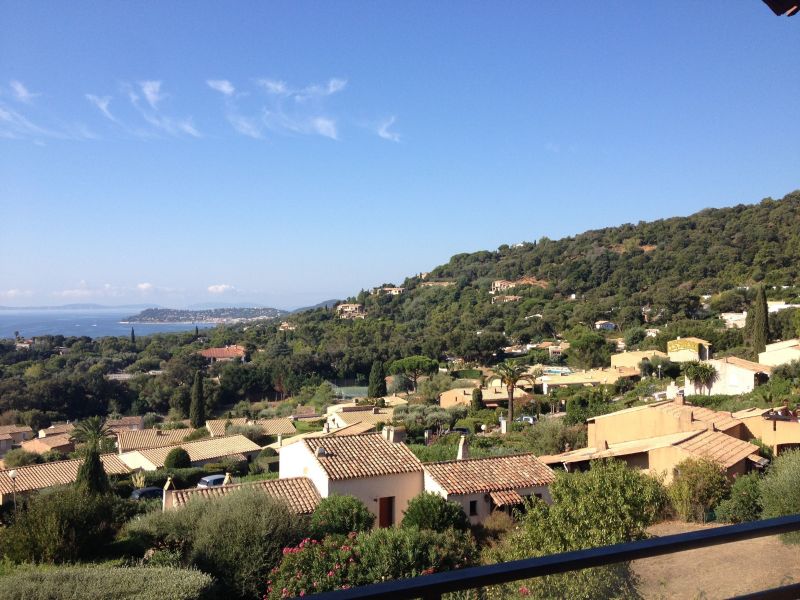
524,590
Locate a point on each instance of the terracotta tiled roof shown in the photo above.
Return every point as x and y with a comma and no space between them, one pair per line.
299,493
368,415
745,364
37,477
506,498
56,429
283,426
217,426
719,447
495,473
45,444
202,449
366,455
125,423
226,352
9,429
139,439
720,419
617,449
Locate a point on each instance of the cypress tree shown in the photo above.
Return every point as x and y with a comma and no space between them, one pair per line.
477,400
197,409
133,337
196,332
377,380
760,333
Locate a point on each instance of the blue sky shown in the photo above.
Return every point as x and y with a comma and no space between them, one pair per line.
290,152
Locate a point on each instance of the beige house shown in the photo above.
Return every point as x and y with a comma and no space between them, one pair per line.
483,485
688,349
224,354
505,299
298,493
656,437
737,375
631,360
427,284
345,415
45,475
780,353
18,433
384,475
60,443
6,443
350,311
234,447
734,320
502,285
777,428
125,423
661,455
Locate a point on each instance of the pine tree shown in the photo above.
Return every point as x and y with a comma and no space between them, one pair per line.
133,337
377,380
197,409
760,333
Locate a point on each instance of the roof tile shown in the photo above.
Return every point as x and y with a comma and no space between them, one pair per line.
496,473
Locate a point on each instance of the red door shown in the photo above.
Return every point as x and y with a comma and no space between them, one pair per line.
386,511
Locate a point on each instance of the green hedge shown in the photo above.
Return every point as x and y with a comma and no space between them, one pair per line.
101,582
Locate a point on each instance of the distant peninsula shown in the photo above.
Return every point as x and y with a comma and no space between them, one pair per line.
211,315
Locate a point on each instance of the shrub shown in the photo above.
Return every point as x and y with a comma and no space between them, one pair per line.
178,458
744,503
181,478
255,529
101,582
253,433
64,525
171,529
369,557
779,489
432,511
198,434
342,515
698,487
20,458
608,504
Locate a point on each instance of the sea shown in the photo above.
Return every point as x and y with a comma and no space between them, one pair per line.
95,322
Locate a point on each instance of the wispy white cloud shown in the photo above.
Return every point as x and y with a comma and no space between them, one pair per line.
245,125
384,132
152,92
325,127
145,287
21,92
19,126
272,86
222,85
102,105
277,87
220,288
153,115
84,290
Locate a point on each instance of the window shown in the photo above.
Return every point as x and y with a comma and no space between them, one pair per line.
473,508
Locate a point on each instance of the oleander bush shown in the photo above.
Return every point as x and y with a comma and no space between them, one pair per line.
431,511
779,489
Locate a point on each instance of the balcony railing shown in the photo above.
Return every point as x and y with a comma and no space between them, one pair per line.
432,587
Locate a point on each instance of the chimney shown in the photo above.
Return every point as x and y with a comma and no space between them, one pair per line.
463,448
376,410
605,444
280,439
321,452
680,398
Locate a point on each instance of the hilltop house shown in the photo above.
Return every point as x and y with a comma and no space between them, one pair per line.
483,485
390,291
383,474
604,326
505,299
780,353
688,349
503,285
737,375
226,354
350,311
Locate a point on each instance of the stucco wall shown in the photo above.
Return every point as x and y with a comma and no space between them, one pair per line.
135,460
633,425
731,379
773,433
779,357
403,487
296,460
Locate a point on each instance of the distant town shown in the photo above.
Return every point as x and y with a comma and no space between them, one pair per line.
213,315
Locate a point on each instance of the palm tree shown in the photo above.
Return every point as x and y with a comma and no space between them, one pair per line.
91,432
702,375
511,373
91,477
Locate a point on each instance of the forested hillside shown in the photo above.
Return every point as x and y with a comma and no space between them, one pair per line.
655,274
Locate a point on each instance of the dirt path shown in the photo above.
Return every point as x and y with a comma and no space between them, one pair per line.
717,572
